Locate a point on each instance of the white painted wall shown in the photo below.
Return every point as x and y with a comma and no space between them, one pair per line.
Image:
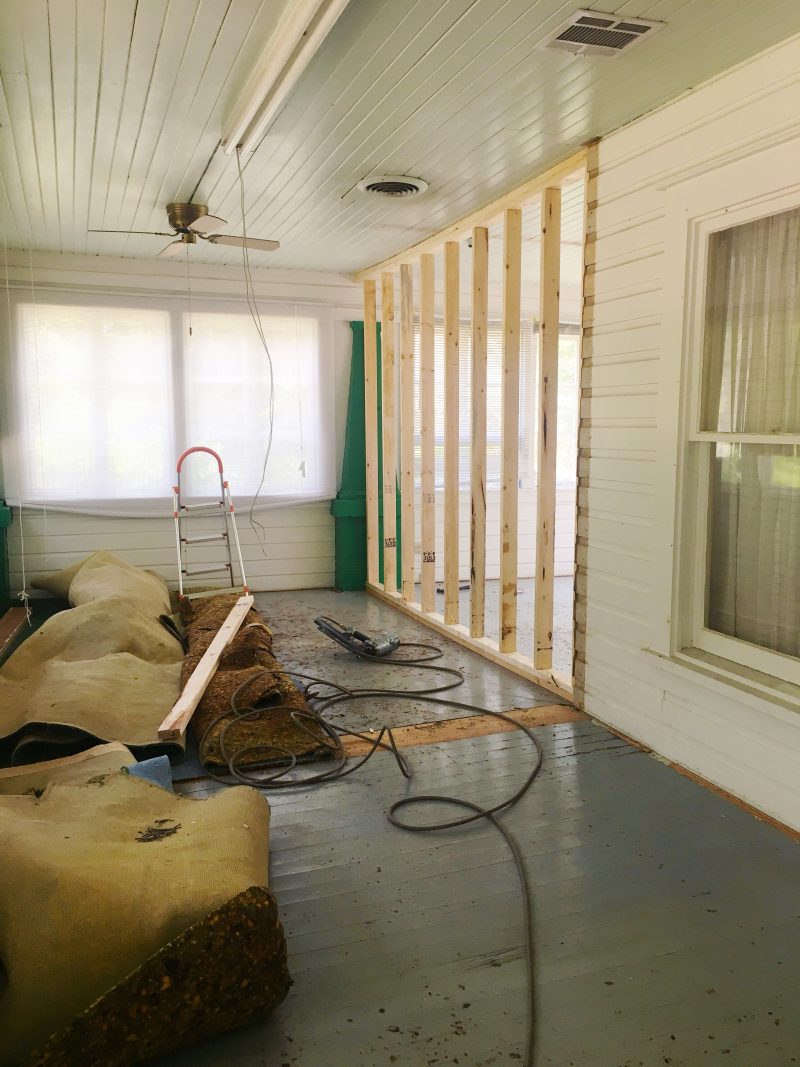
730,734
299,539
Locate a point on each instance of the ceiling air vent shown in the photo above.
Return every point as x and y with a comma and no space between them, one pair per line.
594,33
393,185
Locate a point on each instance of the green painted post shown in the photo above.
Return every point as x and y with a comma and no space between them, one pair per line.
349,509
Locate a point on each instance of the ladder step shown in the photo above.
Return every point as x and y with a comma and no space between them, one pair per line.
205,539
199,507
207,570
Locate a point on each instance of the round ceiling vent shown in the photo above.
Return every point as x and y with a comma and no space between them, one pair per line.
393,185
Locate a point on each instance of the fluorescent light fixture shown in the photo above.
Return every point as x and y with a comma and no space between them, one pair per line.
302,28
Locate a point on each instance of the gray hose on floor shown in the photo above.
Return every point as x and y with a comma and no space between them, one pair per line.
312,720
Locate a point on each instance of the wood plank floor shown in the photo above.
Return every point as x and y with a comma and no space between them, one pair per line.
667,919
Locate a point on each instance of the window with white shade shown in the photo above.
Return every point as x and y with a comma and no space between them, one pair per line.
104,393
745,447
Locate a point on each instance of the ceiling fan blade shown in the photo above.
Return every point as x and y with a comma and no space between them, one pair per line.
208,223
137,233
255,243
173,249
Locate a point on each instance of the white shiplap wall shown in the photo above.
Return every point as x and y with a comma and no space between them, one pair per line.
744,743
299,540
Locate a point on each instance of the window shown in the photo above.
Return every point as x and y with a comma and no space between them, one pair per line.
745,450
105,393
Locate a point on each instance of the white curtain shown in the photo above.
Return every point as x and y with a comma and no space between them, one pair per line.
103,393
752,385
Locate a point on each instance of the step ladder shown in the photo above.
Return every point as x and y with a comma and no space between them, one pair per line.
223,508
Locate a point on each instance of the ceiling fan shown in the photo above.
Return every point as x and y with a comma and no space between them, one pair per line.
190,221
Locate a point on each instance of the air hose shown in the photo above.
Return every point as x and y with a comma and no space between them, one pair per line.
279,763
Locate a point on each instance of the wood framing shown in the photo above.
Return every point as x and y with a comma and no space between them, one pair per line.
552,681
371,427
389,480
452,491
480,313
488,213
427,431
10,625
549,287
407,532
174,726
509,478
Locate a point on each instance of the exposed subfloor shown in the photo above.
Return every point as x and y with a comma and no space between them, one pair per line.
562,616
666,918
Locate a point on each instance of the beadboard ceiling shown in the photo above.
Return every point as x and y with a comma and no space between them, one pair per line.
111,108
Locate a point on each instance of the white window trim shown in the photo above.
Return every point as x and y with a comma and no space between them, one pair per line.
759,185
176,306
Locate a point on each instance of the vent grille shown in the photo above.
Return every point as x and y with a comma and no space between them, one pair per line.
594,33
393,185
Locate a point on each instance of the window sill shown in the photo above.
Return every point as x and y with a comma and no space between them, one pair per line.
760,691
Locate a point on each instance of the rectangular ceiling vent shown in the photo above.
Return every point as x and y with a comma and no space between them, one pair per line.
594,33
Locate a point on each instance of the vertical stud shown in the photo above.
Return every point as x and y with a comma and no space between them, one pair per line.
509,491
548,415
407,431
480,310
427,432
389,436
451,435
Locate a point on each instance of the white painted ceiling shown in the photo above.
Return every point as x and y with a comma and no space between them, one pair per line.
111,108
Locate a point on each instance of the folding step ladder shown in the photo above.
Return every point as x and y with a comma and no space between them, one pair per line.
223,508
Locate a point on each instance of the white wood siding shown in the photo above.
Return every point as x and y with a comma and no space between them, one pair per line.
298,549
748,745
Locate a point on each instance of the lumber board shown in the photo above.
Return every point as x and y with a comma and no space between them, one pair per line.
174,726
549,286
10,625
427,402
509,478
407,432
468,726
480,312
451,429
389,481
371,426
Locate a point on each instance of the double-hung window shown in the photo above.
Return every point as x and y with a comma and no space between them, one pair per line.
104,392
742,484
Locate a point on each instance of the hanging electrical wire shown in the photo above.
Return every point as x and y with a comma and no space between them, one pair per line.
256,317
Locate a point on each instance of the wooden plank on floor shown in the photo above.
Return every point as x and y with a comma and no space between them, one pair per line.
371,427
10,625
427,431
480,312
407,432
445,730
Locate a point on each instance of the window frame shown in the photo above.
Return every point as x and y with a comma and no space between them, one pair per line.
174,304
754,187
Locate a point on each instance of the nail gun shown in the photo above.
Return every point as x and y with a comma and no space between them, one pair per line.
355,641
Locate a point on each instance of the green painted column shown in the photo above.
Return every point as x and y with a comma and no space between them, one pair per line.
349,509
